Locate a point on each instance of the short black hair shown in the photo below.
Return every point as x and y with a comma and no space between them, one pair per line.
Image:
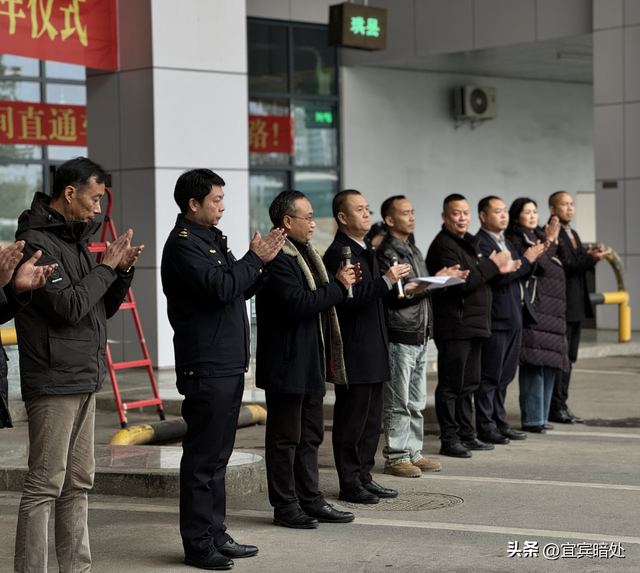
195,184
514,213
76,172
341,200
284,204
485,203
451,198
387,206
554,196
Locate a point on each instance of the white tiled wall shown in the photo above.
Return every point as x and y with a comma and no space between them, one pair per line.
617,143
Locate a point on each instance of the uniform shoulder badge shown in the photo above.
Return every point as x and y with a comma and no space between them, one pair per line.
184,233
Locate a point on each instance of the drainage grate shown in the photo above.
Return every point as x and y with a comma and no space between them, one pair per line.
408,502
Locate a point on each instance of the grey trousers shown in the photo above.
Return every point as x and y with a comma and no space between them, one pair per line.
61,470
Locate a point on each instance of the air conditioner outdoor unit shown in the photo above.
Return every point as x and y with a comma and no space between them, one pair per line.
474,103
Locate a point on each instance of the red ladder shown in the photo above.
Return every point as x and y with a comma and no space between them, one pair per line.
128,304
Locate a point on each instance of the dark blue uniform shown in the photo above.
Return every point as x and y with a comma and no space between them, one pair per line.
206,288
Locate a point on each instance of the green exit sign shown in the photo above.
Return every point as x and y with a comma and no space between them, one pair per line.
355,26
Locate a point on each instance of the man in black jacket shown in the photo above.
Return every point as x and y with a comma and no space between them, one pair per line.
501,351
13,296
357,414
409,324
577,262
462,321
206,288
299,349
62,337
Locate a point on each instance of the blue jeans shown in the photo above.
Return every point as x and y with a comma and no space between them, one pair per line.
536,387
405,396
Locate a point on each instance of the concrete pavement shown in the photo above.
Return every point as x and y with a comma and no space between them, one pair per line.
575,488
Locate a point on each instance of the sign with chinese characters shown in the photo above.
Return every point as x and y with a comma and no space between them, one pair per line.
42,124
82,32
270,134
319,116
356,26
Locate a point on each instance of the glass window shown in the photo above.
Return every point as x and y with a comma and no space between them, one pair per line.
316,139
315,62
20,151
11,90
18,183
320,188
65,152
268,58
18,66
65,93
62,71
269,107
263,189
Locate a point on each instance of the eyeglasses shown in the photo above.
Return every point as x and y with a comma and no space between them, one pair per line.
307,219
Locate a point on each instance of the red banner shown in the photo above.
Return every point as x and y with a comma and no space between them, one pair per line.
83,32
270,134
43,124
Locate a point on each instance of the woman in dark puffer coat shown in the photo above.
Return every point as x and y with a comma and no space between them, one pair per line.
544,346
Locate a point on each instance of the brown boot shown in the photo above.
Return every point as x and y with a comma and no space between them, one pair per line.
403,469
426,465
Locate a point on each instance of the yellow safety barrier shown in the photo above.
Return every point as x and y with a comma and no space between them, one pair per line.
9,336
621,298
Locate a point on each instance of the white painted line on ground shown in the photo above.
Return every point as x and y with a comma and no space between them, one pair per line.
536,482
595,434
615,372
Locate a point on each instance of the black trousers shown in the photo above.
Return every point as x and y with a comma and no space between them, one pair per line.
295,430
561,387
458,379
500,355
357,418
210,409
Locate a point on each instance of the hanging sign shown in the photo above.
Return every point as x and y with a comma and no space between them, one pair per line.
270,134
82,32
356,26
42,124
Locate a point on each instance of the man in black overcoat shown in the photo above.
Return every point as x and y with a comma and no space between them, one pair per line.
357,414
577,262
206,289
510,304
299,350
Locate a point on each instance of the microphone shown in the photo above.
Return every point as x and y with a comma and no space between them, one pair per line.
394,262
346,259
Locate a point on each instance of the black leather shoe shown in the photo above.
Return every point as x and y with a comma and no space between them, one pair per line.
210,559
494,436
377,489
296,519
534,429
327,514
548,426
477,444
513,435
358,495
576,419
237,551
455,450
561,417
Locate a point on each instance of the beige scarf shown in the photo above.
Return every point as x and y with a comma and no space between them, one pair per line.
339,374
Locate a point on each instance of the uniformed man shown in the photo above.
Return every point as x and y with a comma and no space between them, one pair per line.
206,288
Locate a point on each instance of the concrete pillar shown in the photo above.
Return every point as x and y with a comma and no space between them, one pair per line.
179,101
616,41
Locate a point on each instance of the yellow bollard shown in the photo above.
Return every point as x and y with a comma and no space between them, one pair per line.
9,336
621,298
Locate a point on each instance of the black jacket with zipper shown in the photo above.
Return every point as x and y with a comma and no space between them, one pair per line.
62,334
409,320
462,311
